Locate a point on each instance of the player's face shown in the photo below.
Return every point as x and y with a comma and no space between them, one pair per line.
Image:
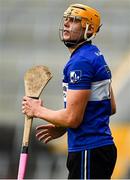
72,29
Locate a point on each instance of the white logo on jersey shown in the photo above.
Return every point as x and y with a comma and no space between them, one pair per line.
75,76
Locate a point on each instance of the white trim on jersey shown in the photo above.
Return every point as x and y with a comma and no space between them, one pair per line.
65,89
85,165
100,90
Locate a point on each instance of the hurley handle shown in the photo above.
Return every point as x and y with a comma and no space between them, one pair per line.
24,150
27,130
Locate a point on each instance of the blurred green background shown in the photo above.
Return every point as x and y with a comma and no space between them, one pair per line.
28,37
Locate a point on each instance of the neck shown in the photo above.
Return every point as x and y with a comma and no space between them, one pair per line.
72,49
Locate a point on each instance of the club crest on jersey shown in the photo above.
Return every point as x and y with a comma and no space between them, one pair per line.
75,76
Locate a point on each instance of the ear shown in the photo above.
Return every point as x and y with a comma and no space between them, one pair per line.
90,29
89,32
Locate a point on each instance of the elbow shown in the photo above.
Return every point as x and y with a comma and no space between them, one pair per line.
113,111
73,122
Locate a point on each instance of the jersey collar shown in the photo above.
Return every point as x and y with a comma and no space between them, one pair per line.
75,50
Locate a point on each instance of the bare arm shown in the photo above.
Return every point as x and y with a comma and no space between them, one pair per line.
70,117
113,103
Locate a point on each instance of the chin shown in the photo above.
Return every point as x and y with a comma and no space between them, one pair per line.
66,39
66,36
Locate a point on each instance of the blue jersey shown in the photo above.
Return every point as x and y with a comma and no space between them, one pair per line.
87,69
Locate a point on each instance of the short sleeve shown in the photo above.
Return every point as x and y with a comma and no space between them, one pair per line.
80,74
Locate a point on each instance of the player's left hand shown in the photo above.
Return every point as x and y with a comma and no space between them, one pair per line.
48,132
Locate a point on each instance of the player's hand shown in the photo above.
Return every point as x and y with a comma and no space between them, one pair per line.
30,106
49,132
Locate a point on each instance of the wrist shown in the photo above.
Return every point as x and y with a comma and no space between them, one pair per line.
37,112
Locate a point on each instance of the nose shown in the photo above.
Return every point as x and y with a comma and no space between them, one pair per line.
66,22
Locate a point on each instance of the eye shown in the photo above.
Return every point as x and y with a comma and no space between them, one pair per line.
65,18
72,19
75,19
68,18
78,19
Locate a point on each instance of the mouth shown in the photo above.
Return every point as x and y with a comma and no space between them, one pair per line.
66,31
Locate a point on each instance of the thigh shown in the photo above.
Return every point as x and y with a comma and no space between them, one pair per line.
102,162
96,163
75,163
